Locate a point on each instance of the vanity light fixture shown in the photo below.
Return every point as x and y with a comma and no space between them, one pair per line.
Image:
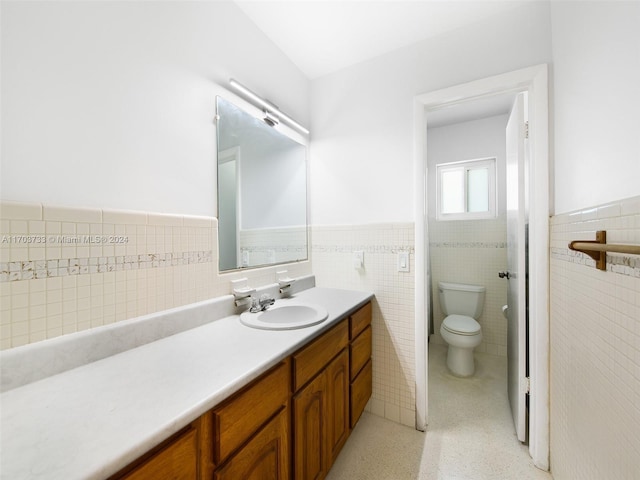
270,118
272,113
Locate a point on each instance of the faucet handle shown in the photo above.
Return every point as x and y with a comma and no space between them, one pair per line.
266,301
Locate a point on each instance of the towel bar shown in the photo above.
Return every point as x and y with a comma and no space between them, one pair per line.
598,248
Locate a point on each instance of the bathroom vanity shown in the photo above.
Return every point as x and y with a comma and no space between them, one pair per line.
221,401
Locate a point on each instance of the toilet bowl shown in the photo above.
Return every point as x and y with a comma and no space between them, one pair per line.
462,334
462,304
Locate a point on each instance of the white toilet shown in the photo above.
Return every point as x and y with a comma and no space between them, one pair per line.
462,304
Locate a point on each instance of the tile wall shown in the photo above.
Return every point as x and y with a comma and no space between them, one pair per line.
472,251
64,269
595,347
273,245
393,313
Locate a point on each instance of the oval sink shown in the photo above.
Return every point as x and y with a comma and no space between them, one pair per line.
285,317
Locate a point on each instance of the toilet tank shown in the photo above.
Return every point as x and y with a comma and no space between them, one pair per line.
461,299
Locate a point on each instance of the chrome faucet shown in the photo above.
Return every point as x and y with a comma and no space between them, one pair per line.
260,305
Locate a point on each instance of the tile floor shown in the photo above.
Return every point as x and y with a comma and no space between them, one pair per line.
470,435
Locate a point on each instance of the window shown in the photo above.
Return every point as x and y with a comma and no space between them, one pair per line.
467,190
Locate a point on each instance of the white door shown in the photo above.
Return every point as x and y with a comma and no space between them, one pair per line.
516,265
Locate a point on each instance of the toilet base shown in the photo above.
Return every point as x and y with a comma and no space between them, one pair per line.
460,361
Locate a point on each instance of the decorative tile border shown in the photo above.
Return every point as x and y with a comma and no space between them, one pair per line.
275,248
38,269
620,219
371,249
616,263
468,244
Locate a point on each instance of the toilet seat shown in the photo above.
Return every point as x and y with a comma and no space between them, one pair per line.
461,325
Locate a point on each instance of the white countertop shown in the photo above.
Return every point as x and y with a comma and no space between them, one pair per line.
91,421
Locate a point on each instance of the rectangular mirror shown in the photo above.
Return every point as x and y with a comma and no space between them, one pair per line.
262,192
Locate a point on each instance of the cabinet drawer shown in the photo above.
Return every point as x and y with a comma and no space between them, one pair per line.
308,361
177,460
360,393
265,456
360,350
359,320
238,418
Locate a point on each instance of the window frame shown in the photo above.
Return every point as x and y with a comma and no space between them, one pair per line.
467,165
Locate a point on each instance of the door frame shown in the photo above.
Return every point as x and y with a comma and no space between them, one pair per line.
534,80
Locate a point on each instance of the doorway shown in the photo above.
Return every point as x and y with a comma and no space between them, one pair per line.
532,80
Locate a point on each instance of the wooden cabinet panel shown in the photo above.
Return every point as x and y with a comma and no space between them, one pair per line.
309,430
309,360
206,441
338,405
359,320
265,457
238,418
360,350
360,392
178,460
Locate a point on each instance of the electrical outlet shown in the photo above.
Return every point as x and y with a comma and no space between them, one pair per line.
358,259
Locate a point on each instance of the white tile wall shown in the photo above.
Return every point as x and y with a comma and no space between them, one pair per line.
277,245
472,251
595,348
66,269
393,308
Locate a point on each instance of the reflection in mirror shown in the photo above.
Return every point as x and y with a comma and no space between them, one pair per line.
262,192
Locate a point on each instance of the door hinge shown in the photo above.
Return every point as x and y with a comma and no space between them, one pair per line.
526,129
527,385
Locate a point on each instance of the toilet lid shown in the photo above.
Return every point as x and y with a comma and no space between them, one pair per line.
461,325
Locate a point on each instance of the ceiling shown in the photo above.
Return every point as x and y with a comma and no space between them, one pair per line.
324,36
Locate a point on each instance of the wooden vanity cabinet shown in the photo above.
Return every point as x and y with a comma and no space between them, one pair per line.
321,406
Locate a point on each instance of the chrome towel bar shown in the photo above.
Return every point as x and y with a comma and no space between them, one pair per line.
598,248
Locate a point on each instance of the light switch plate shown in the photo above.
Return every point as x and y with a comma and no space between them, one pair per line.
403,261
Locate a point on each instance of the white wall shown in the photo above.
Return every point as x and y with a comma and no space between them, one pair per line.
596,71
111,104
362,117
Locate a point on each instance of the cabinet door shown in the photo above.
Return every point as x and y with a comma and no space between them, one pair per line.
264,457
338,405
309,430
